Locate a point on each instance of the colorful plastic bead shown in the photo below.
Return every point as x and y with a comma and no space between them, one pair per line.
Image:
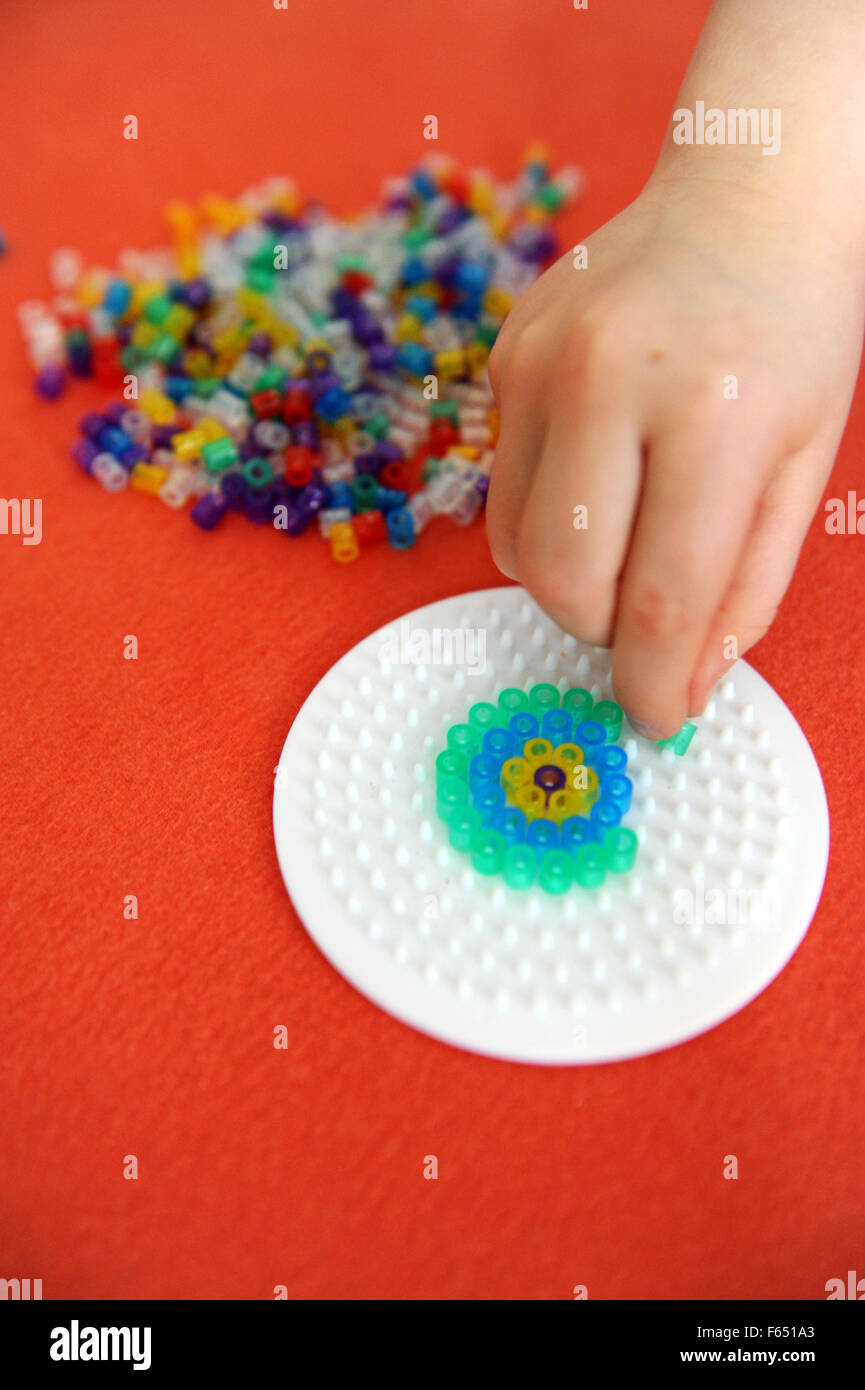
680,742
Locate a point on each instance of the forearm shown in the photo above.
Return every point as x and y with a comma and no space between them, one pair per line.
802,63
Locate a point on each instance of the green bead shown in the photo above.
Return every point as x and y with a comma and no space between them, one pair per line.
590,866
520,865
76,337
257,472
157,308
464,738
557,871
542,698
462,827
578,702
451,764
513,701
485,716
608,713
452,795
680,741
448,410
486,333
205,386
488,851
620,849
550,197
260,278
364,490
163,347
352,260
131,357
415,237
219,454
273,378
430,469
378,426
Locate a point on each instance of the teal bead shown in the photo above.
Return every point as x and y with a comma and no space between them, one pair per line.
452,795
520,866
219,454
578,702
590,866
257,472
485,716
462,827
465,739
542,698
451,764
488,851
557,871
680,741
620,849
610,715
513,701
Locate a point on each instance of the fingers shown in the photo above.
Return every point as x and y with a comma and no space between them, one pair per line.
779,527
521,434
577,518
700,493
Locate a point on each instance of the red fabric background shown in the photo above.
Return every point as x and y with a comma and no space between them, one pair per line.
261,1167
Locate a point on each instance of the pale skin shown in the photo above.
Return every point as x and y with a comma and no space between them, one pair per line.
613,381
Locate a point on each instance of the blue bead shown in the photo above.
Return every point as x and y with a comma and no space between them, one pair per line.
340,495
414,272
390,497
500,744
421,306
523,727
483,772
423,184
510,822
471,277
116,298
415,358
557,726
487,801
604,815
113,440
543,835
576,831
617,789
611,758
591,736
400,528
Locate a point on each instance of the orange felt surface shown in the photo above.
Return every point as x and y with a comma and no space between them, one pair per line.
304,1167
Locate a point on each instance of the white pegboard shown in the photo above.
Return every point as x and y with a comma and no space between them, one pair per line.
733,838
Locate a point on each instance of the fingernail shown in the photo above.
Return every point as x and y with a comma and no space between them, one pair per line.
644,730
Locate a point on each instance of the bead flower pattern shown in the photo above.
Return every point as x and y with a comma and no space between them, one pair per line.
534,787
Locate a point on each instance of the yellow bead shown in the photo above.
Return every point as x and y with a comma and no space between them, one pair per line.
188,260
568,756
465,451
538,152
343,542
451,363
538,752
211,428
408,329
477,356
144,290
584,782
531,801
92,289
229,340
189,443
562,805
515,774
498,302
227,216
181,218
481,195
157,407
143,333
147,477
197,363
178,321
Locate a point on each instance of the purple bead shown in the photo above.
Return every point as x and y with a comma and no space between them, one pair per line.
248,450
370,463
305,434
450,220
208,510
84,452
446,270
259,343
382,357
296,520
399,203
92,424
260,503
115,412
388,451
235,490
198,293
123,333
162,435
50,381
139,453
311,499
79,360
482,486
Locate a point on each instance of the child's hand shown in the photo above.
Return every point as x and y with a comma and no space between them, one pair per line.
689,388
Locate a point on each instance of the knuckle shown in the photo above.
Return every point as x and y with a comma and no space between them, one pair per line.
582,605
654,615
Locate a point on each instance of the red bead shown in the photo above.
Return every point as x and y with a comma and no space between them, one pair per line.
296,405
356,282
369,526
456,185
396,474
299,463
266,404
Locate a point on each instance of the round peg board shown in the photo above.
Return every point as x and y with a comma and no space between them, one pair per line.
734,840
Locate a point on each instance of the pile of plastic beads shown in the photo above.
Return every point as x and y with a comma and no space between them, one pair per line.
296,367
535,787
